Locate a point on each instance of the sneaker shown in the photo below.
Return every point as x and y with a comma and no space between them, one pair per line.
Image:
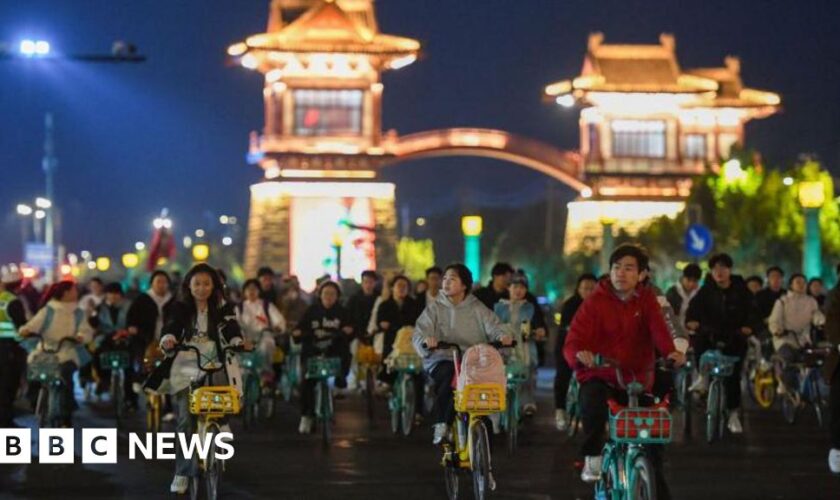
529,410
591,469
560,420
834,460
305,426
700,385
168,417
137,387
781,390
734,423
180,485
440,433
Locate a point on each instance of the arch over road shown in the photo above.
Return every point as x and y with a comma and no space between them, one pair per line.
565,166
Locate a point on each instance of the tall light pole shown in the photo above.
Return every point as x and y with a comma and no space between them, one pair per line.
49,164
812,198
472,227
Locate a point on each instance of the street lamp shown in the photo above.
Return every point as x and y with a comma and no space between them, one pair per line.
812,198
472,226
43,203
201,252
130,260
24,210
103,264
34,48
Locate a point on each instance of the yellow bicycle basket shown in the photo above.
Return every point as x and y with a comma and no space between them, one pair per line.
481,399
214,400
367,355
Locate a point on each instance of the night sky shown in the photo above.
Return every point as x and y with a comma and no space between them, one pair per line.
174,131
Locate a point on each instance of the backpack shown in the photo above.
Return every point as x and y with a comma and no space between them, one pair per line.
481,364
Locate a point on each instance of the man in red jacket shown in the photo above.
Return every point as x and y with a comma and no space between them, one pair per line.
622,321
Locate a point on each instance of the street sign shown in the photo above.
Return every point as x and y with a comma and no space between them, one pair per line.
698,240
39,255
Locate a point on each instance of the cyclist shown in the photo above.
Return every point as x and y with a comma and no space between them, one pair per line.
12,357
398,311
259,319
457,317
586,284
722,311
790,324
517,315
434,276
111,322
325,320
622,320
201,319
680,295
60,318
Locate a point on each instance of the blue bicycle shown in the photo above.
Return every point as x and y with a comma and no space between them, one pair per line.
718,366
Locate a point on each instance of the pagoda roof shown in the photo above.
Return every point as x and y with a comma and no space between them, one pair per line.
327,27
625,68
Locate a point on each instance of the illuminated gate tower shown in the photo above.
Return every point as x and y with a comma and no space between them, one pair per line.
319,209
646,128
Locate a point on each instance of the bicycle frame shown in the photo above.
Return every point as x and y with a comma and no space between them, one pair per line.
51,383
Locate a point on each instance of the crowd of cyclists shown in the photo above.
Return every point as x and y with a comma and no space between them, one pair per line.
613,328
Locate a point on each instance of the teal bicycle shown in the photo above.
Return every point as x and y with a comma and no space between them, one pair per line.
718,366
627,459
252,394
45,370
290,378
117,361
320,368
572,407
516,373
403,401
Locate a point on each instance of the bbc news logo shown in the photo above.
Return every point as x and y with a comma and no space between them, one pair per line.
99,446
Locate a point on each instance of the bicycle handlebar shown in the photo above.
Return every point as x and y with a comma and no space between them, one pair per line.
225,350
72,340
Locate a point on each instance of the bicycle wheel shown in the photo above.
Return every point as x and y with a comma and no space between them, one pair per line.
816,397
513,421
395,407
153,403
480,460
370,391
212,473
324,402
713,412
451,477
118,393
642,479
609,484
409,402
685,400
790,406
42,406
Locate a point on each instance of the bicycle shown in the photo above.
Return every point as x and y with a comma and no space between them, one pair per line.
117,360
627,465
759,375
718,366
320,369
403,401
368,363
290,378
470,449
684,399
809,364
210,404
516,373
154,401
45,370
572,407
252,391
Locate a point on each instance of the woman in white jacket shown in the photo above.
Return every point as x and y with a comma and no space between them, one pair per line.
259,320
61,318
790,324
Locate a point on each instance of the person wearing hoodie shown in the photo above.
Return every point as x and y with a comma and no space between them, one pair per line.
12,357
456,317
111,323
622,321
723,311
517,316
680,295
61,318
325,322
790,324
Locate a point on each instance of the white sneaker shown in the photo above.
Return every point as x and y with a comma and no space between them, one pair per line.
440,433
137,387
305,426
591,469
168,417
734,424
700,385
781,390
180,485
834,460
529,410
560,420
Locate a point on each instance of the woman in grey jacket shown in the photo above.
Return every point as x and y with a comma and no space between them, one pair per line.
456,317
